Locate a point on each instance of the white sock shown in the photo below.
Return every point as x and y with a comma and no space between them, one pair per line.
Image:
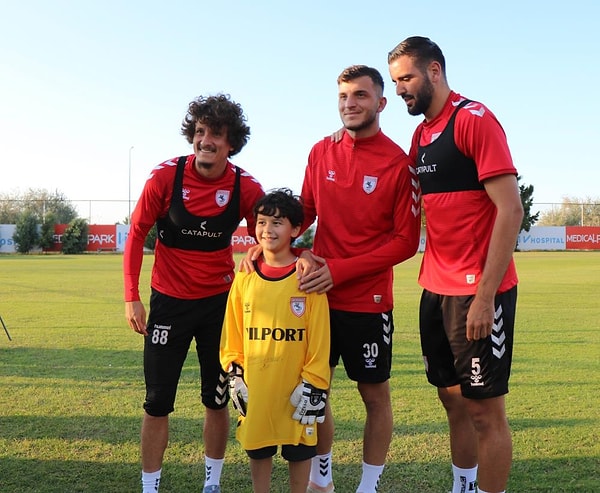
150,481
212,471
320,470
370,478
465,480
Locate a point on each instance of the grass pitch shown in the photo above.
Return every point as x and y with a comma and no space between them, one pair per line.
72,386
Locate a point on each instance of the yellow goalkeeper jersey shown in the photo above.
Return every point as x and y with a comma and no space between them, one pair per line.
280,336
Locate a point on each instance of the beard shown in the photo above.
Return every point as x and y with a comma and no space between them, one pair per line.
422,99
361,126
204,164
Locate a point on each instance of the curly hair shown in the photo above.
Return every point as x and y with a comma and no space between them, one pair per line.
217,112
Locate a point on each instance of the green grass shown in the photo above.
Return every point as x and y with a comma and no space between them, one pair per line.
71,387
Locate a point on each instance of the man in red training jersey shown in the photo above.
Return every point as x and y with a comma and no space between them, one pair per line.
196,202
473,209
364,192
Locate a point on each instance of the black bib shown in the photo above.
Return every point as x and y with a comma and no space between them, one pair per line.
180,229
442,167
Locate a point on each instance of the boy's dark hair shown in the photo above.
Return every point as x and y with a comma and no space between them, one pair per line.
356,71
218,113
281,203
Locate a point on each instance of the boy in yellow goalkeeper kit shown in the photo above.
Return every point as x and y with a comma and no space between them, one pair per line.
275,344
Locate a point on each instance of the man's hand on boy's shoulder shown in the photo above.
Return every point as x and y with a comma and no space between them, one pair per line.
315,276
307,262
247,263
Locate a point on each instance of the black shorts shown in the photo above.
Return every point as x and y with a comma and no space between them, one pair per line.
364,342
172,324
291,453
481,368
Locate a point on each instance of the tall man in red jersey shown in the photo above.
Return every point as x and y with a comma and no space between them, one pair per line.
364,192
474,213
197,202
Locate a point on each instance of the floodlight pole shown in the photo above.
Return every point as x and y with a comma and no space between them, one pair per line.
129,187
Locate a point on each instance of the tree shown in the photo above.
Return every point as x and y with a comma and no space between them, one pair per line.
573,212
10,209
306,239
75,237
26,235
40,202
47,232
526,193
150,240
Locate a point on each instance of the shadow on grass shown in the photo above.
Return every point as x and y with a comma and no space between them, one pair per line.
88,469
77,363
117,430
72,476
81,476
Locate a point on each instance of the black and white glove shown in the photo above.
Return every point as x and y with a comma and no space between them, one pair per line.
238,391
309,402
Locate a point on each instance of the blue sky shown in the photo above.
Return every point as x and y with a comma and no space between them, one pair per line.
84,81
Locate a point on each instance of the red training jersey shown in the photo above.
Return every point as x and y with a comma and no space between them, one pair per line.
366,197
185,274
459,223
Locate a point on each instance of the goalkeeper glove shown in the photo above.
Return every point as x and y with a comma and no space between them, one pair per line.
309,402
238,391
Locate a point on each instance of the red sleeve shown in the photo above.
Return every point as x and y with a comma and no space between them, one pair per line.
151,205
479,136
405,237
132,262
307,194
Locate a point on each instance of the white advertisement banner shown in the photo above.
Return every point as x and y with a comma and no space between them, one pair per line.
538,238
7,245
122,232
543,238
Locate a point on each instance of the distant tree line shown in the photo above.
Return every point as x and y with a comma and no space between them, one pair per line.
573,212
35,213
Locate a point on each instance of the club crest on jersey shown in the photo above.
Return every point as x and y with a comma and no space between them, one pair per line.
185,193
369,183
298,306
222,197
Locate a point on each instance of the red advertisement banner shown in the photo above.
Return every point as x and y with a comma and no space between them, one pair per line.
241,241
101,237
583,237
